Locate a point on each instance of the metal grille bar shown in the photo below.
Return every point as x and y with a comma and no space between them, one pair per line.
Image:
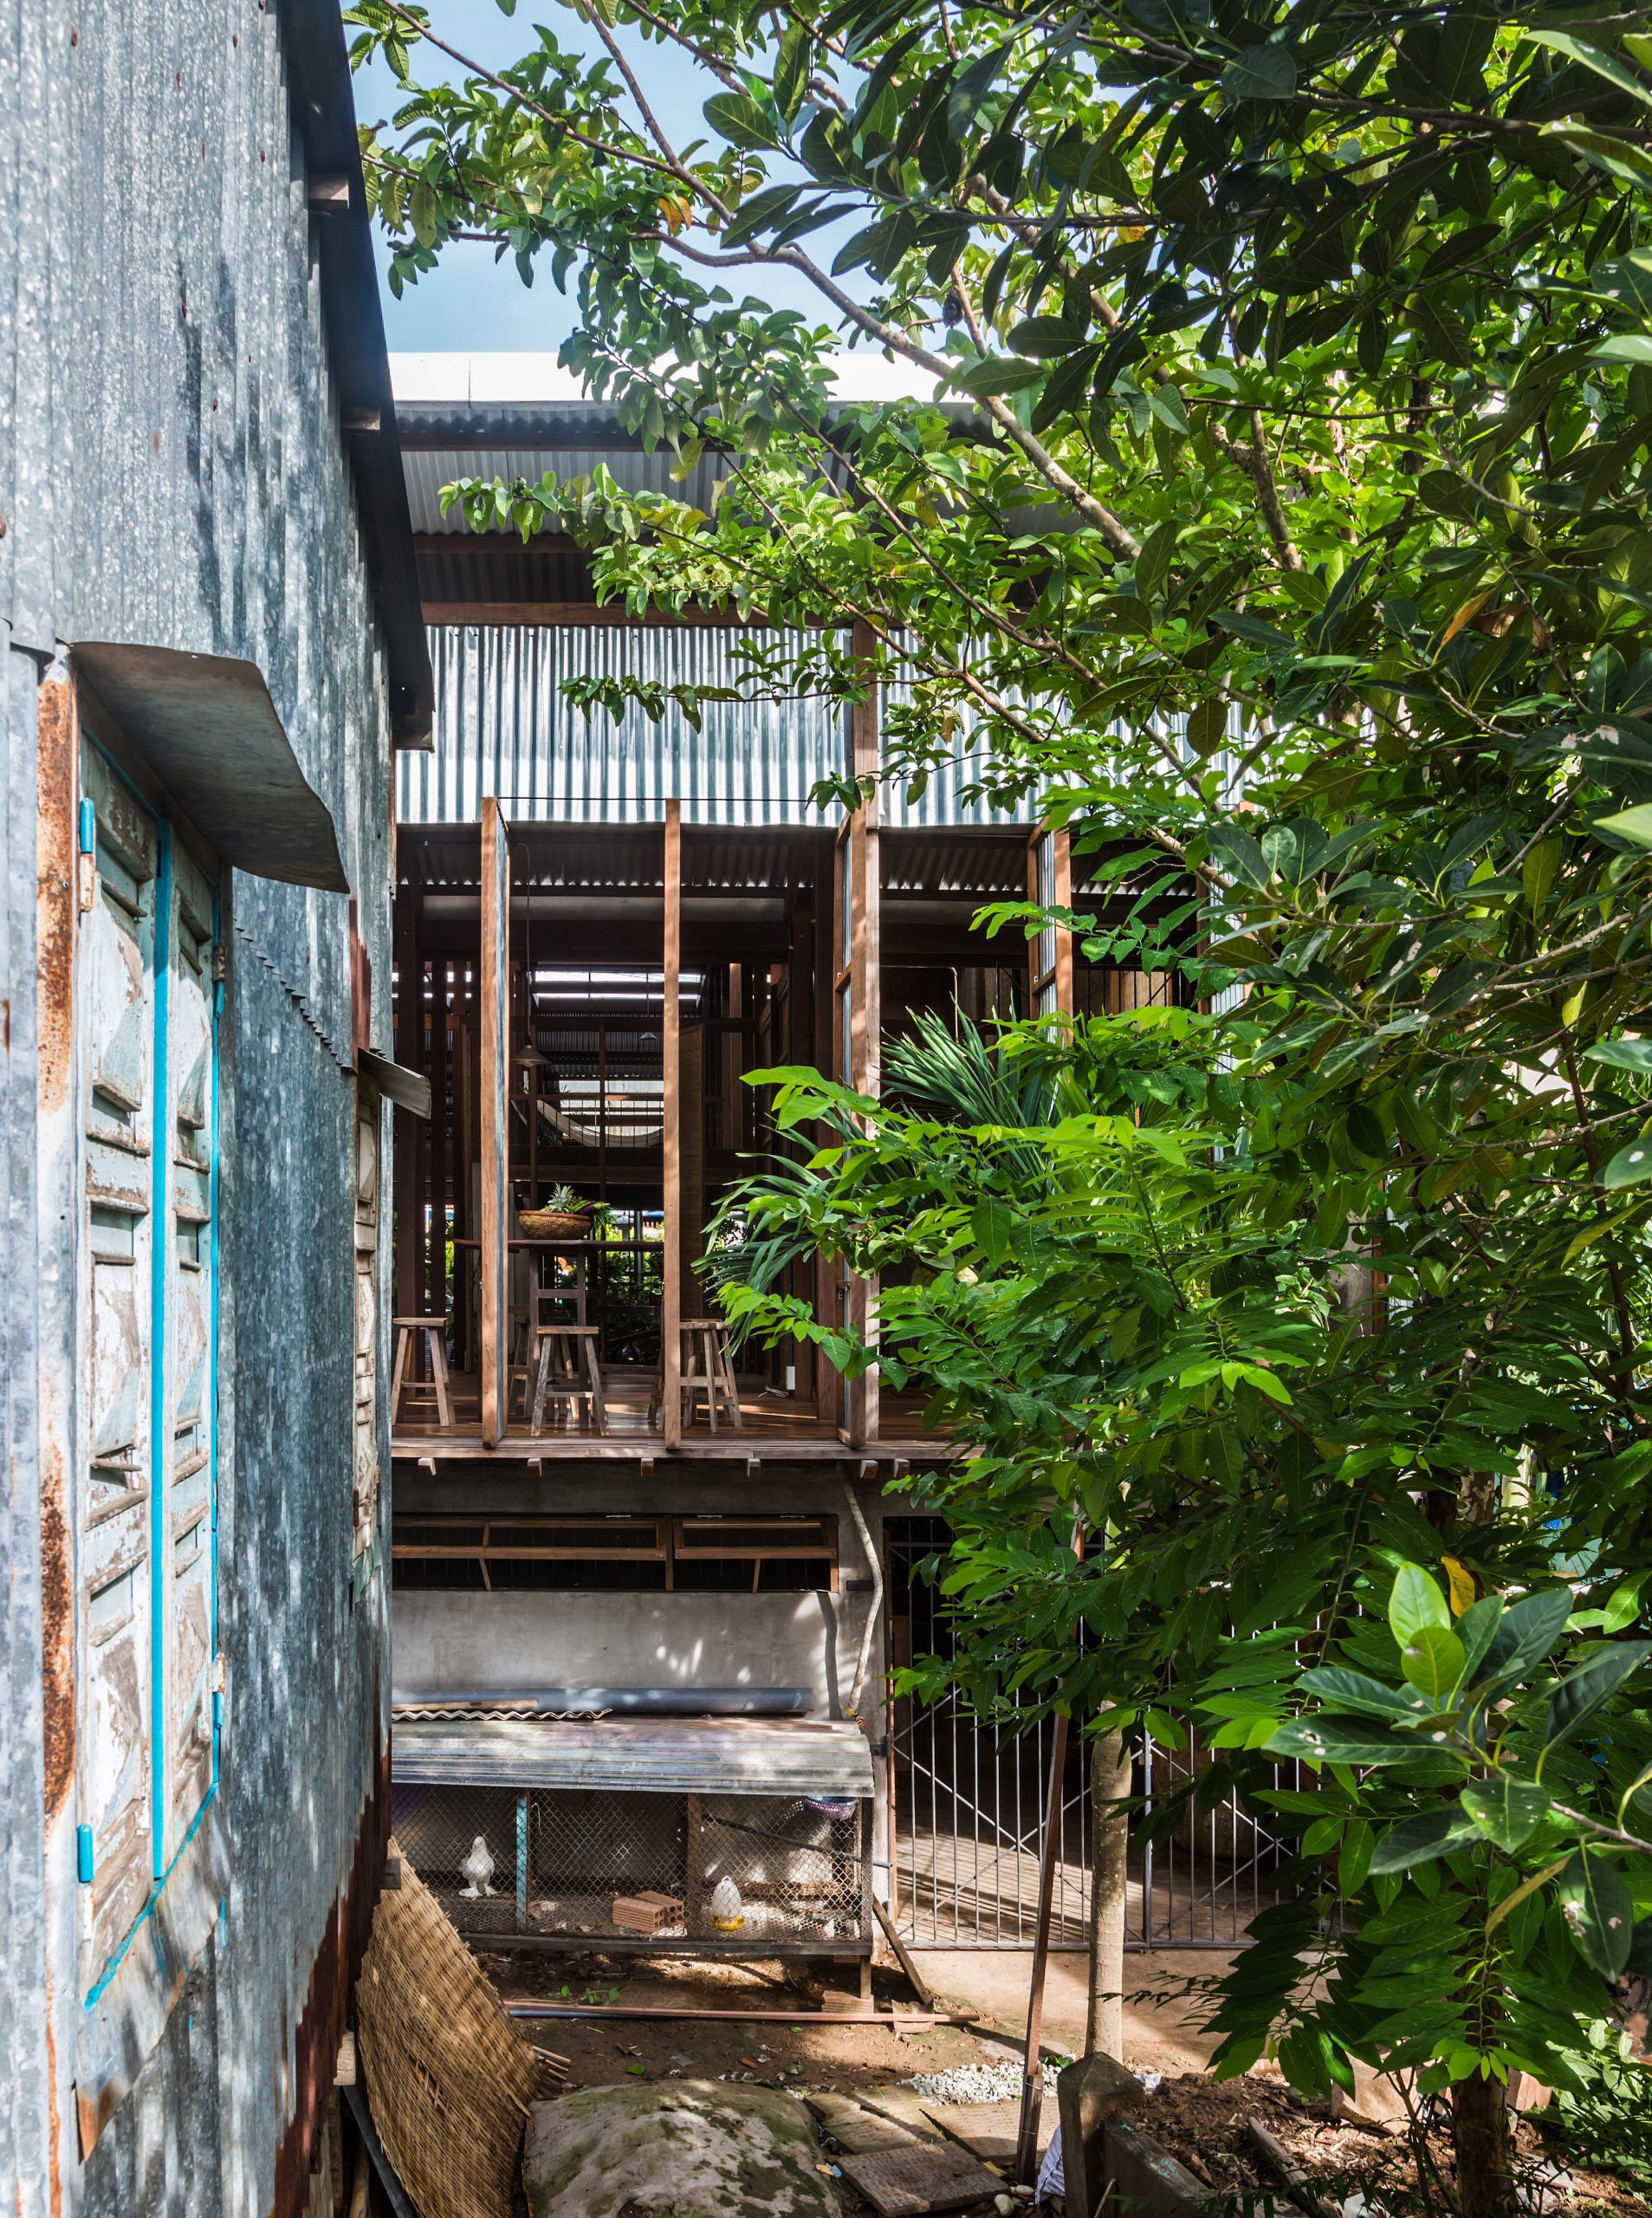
967,1805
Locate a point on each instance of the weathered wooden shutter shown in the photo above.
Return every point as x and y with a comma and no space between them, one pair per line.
184,1544
365,1466
115,1006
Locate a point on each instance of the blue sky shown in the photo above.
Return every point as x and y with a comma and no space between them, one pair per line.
472,304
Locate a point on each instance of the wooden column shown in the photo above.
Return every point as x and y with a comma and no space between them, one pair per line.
860,996
494,1072
690,1162
410,1015
827,1385
670,1304
1049,880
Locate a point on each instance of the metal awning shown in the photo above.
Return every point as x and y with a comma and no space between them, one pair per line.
407,1089
207,728
637,1755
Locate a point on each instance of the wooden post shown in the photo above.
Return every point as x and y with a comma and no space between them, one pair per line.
495,1082
410,1019
860,996
670,1304
828,1386
691,1096
1049,879
1026,2165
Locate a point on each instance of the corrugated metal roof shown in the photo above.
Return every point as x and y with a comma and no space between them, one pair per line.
505,727
672,1755
429,469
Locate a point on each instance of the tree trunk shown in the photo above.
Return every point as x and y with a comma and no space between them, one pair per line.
1110,1784
1481,2142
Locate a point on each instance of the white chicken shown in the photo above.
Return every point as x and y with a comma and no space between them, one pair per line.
478,1870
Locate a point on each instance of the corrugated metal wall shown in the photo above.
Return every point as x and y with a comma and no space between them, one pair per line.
504,729
172,470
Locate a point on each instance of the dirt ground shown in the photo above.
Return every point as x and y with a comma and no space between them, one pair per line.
1199,2123
819,2054
1204,2126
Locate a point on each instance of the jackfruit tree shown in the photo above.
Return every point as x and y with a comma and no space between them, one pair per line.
1274,519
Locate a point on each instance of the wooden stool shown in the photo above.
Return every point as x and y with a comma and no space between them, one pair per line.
435,1331
708,1370
560,1352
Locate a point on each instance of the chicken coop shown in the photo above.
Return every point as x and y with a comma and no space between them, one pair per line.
749,1836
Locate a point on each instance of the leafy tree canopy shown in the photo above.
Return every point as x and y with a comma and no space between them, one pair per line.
1278,521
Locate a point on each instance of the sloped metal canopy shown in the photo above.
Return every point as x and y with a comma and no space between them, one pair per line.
407,1089
207,728
653,1755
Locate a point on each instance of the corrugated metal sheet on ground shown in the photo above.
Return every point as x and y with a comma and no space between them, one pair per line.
685,1755
505,728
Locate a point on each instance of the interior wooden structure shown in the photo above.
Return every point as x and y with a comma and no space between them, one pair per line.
588,1002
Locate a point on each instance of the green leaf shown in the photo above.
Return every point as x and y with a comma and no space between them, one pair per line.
791,69
996,373
1208,726
1337,1741
1509,1810
1433,1661
1632,825
1630,1165
1045,336
1599,1911
1528,1630
1353,1865
1594,1683
1261,73
1420,1839
1592,58
737,118
994,1226
1262,635
1622,1055
1416,1601
1624,346
1153,564
1338,1688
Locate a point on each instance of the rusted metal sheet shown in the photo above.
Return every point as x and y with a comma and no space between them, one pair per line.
506,726
172,472
638,1754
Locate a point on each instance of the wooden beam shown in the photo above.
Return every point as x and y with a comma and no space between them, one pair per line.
494,1072
691,1091
565,612
861,1019
404,1130
827,1382
1049,879
670,1304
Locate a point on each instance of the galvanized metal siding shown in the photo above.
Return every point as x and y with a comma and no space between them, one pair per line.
504,728
172,471
25,2092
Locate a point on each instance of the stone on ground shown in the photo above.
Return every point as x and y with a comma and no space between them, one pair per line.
686,2149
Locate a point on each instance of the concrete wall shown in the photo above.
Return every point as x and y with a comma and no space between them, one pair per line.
172,470
448,1642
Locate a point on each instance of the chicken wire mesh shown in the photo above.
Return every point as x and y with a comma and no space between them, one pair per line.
590,1863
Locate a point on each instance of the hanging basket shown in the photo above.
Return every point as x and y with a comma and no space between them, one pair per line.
555,1224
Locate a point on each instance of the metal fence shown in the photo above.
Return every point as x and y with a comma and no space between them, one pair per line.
591,1864
967,1815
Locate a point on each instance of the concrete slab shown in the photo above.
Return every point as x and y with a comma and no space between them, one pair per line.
989,2129
900,2182
855,2129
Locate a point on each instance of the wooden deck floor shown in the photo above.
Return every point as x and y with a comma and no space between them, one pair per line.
771,1425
